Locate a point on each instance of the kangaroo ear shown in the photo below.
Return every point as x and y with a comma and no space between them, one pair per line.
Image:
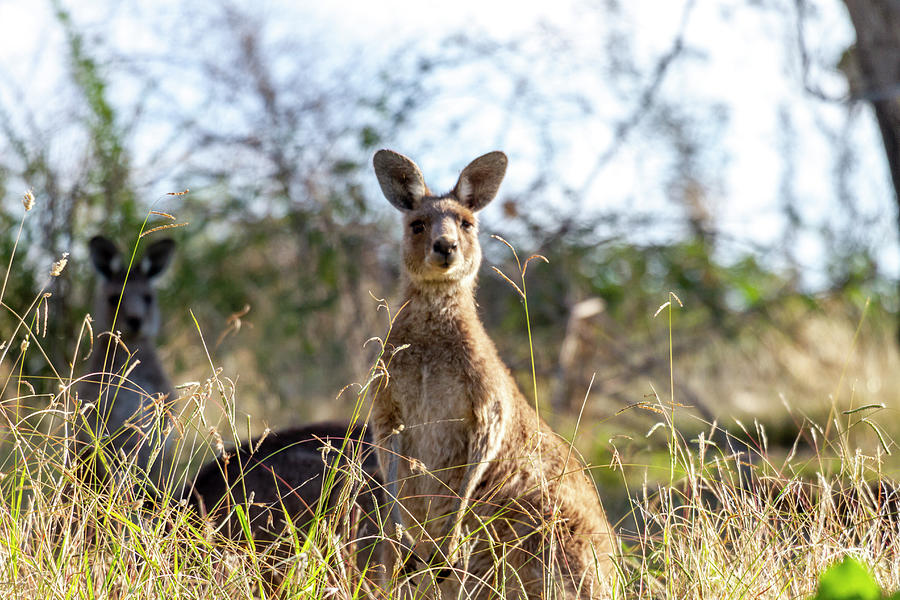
479,182
105,256
400,179
157,257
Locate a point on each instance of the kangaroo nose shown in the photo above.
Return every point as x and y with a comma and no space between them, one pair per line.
444,246
134,324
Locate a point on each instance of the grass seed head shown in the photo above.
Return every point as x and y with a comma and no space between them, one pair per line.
57,268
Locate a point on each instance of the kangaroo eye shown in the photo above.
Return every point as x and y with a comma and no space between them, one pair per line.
148,299
467,225
113,300
417,226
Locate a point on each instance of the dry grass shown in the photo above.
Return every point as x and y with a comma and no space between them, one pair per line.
713,532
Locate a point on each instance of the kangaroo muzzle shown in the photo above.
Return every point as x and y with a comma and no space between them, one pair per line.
444,251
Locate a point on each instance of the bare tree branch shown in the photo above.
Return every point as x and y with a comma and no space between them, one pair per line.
624,128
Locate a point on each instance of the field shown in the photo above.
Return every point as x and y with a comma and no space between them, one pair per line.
801,479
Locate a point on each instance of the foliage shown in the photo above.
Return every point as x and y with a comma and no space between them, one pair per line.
288,240
849,580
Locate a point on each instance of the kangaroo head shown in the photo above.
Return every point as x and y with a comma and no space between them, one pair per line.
135,311
440,241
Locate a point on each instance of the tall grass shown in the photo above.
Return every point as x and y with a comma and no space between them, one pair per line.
702,522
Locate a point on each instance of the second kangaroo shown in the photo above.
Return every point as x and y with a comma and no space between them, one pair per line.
127,389
498,502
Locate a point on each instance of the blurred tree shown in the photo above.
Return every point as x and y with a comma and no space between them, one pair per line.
91,185
873,65
272,127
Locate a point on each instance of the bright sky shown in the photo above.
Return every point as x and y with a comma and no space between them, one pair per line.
744,62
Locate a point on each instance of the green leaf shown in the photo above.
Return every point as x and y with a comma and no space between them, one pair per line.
848,580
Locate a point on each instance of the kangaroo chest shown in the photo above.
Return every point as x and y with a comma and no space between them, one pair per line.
433,402
433,387
128,383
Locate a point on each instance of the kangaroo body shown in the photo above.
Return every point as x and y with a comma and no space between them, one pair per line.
280,480
484,485
124,398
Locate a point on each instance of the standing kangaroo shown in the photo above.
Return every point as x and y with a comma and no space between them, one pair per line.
483,484
127,388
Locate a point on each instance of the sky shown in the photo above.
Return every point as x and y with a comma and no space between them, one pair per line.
742,58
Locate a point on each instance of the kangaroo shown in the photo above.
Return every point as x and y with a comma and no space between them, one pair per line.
279,480
127,388
473,468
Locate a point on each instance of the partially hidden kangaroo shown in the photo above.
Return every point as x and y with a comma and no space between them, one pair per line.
497,503
280,480
125,397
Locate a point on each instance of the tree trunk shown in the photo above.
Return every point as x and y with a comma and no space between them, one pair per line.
877,54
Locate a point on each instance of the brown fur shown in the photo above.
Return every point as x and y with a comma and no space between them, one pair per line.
471,462
279,480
